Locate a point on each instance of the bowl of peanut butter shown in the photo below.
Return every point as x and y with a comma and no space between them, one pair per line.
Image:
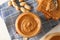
53,36
28,24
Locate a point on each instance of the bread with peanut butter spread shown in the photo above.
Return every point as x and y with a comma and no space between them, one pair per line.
50,8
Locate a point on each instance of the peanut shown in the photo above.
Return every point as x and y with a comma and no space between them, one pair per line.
22,3
27,7
23,9
21,0
13,0
14,4
17,7
9,3
25,38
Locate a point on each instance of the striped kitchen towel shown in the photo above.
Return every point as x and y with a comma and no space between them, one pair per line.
9,14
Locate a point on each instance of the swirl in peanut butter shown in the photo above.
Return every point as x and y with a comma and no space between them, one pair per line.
28,24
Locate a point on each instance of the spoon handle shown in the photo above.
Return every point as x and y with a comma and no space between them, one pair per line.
25,38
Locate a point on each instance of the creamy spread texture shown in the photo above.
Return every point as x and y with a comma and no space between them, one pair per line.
55,38
28,24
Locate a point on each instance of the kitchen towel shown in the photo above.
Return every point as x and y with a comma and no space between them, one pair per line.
9,14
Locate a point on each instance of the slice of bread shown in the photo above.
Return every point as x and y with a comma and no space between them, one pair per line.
49,8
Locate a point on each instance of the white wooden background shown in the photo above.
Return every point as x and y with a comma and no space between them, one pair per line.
4,35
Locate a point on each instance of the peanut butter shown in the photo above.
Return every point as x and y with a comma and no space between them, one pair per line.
55,38
28,24
50,8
